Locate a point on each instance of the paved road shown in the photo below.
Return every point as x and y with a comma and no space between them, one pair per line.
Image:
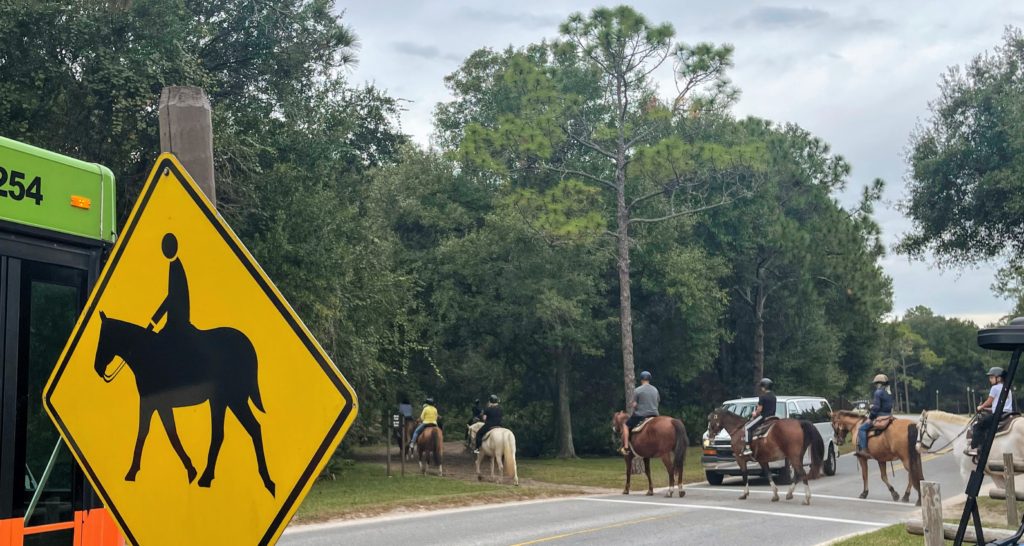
706,513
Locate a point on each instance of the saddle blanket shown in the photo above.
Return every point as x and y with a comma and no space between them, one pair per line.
764,428
642,424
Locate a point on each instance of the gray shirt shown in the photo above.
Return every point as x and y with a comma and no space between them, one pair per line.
647,399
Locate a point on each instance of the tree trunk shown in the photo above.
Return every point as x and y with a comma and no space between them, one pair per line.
566,450
906,388
759,334
625,296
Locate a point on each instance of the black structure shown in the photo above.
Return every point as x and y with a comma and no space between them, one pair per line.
1004,338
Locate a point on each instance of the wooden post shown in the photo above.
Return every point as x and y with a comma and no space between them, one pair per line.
1011,490
931,512
387,444
186,130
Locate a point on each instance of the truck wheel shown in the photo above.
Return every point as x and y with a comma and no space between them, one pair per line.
714,478
831,464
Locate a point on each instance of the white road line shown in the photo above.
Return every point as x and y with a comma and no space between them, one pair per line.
815,495
743,511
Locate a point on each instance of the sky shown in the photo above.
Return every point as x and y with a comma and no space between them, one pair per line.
857,74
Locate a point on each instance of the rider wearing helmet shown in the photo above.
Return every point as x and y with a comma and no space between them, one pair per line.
491,418
986,416
881,406
428,417
766,403
645,404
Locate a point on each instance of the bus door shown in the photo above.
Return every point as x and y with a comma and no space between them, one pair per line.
43,288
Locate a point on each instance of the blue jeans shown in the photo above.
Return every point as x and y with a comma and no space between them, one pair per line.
862,435
416,433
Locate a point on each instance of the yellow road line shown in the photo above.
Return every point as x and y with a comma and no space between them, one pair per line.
924,459
594,530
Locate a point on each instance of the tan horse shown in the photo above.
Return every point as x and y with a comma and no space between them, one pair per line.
897,443
430,444
788,439
500,446
663,437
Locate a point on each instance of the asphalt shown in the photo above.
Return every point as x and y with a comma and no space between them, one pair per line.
707,514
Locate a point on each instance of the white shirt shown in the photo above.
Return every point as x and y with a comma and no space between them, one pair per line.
994,393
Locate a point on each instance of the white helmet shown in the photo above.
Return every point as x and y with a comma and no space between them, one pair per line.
880,378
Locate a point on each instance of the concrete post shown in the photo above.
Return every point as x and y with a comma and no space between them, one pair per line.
186,130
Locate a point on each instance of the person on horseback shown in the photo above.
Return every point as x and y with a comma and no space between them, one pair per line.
492,419
881,406
645,404
986,415
766,407
405,408
428,417
176,305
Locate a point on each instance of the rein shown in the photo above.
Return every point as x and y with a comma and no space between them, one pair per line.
108,378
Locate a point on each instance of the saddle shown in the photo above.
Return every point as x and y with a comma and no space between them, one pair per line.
1002,428
880,424
764,428
641,425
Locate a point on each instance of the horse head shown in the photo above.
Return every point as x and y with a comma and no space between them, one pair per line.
839,428
116,340
104,349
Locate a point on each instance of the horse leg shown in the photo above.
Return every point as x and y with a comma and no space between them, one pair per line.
864,476
910,478
667,461
767,472
217,411
885,478
479,457
145,416
743,472
629,471
244,415
647,471
167,418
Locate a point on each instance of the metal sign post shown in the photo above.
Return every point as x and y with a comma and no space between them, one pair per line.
1004,338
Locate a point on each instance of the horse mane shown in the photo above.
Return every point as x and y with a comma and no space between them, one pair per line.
951,418
475,427
849,413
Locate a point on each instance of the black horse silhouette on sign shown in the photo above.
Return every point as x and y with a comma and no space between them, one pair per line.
183,368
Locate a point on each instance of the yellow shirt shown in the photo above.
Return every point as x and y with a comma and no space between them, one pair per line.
429,415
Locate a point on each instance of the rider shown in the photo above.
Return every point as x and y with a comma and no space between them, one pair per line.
492,419
428,417
405,408
176,305
986,416
645,404
881,406
766,403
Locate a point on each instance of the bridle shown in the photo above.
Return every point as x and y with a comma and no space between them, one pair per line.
933,437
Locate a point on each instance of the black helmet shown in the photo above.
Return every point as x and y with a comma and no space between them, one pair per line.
476,401
645,375
766,383
996,371
493,399
429,400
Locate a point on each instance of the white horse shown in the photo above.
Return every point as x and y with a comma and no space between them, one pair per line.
500,446
939,430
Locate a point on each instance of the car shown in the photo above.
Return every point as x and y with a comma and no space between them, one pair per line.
862,407
718,459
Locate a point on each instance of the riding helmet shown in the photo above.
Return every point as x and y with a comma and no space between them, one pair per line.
996,371
880,378
766,383
493,399
645,375
429,400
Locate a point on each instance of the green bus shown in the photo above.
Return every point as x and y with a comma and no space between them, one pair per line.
57,221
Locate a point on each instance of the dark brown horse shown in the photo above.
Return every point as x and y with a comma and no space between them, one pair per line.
403,436
898,442
663,437
788,439
431,444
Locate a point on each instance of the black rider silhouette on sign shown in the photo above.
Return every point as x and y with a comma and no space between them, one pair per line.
182,366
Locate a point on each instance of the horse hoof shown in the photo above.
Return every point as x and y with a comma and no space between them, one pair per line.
775,498
192,474
789,496
743,497
130,476
668,495
625,492
863,495
682,494
649,494
896,497
906,498
270,487
205,481
806,503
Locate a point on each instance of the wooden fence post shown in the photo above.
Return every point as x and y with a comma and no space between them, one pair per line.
1011,490
931,512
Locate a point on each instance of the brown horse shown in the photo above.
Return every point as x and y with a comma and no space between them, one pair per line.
898,442
663,437
403,436
431,443
788,439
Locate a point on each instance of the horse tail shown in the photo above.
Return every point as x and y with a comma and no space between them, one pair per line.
679,454
509,455
438,446
813,439
254,384
916,469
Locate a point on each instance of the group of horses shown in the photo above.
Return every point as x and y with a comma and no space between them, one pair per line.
499,445
790,440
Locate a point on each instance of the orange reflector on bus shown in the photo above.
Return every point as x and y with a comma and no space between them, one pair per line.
80,202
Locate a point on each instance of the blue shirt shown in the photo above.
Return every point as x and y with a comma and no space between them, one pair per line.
881,404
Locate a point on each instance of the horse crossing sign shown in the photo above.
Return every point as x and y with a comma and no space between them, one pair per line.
196,401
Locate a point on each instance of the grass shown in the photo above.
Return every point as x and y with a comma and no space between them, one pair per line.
607,472
362,489
993,514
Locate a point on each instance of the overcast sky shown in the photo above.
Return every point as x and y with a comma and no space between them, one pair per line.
857,74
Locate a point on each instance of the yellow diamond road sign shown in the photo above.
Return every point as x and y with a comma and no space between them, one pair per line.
199,405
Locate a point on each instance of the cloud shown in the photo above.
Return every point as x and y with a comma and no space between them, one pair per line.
522,18
423,51
784,18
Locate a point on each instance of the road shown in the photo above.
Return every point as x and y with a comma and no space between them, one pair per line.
707,513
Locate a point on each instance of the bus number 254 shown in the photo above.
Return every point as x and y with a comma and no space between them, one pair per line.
15,180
